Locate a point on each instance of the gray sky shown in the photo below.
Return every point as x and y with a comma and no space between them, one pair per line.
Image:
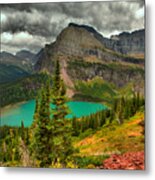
31,26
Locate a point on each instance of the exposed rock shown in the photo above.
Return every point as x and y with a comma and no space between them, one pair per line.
125,43
117,74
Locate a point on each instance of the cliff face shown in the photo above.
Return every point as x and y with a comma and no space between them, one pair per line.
115,73
80,43
127,43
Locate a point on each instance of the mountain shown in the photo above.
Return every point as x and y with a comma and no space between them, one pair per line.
10,59
10,73
84,54
128,43
13,67
26,55
82,41
125,43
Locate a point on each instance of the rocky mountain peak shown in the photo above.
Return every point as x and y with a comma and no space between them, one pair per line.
86,27
77,36
125,42
84,42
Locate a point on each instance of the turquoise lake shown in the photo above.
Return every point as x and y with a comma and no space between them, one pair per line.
13,115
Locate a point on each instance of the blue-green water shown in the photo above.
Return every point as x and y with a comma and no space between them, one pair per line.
13,115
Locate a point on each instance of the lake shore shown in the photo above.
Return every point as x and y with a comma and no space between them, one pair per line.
10,106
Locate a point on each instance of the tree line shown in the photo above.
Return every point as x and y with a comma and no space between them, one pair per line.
122,108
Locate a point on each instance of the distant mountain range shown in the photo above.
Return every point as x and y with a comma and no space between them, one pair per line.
16,66
26,55
24,62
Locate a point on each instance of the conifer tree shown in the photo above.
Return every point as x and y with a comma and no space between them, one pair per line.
103,118
36,113
41,144
62,126
75,126
127,111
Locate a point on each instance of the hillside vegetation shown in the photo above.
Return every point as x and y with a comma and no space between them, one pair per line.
113,138
23,89
10,73
95,89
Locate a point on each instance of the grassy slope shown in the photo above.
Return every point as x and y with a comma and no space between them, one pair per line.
113,138
99,90
96,90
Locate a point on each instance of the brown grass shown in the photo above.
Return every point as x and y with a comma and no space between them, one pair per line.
114,139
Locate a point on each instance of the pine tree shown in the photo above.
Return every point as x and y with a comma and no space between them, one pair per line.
36,113
62,126
21,130
41,130
134,105
75,126
56,79
51,134
12,142
112,116
103,118
127,111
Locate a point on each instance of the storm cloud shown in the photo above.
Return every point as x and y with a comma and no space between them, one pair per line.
31,26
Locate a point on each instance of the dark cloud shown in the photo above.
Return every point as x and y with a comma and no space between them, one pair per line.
46,20
34,23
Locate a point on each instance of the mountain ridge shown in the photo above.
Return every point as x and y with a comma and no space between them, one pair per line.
114,41
10,59
13,67
26,55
